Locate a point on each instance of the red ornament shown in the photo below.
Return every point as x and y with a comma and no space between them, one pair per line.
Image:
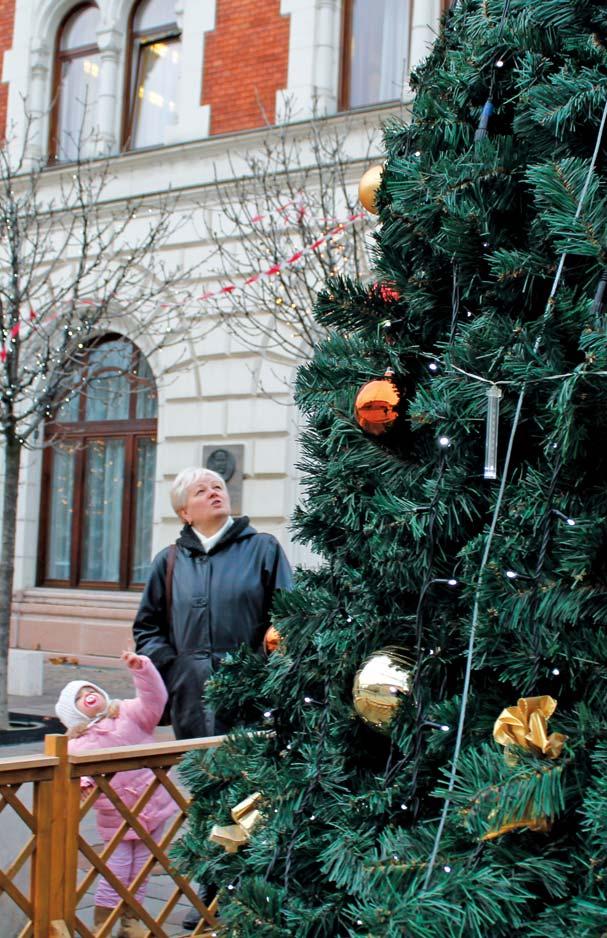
389,294
376,406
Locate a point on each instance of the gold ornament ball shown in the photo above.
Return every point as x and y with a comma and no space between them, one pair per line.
379,684
368,186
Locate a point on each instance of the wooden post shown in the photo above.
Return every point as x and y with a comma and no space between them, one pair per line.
40,894
61,874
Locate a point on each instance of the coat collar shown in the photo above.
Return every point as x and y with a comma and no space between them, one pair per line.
189,541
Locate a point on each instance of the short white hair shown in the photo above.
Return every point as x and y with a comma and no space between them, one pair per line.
184,481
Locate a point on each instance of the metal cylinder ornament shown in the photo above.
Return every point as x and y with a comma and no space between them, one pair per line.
491,432
384,678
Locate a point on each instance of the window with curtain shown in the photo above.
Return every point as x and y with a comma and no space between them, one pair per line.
75,86
154,66
375,49
99,471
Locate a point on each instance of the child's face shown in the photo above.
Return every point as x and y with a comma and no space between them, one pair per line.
90,702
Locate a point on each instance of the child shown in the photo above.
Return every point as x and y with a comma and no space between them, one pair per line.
95,722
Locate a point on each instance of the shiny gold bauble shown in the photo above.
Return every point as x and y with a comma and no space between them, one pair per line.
385,676
376,406
368,186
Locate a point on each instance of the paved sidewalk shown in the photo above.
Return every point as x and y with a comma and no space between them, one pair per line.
118,683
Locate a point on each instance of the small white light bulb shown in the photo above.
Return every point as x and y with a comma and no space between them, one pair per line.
499,63
307,700
445,728
511,574
571,522
433,366
447,869
556,672
452,582
444,441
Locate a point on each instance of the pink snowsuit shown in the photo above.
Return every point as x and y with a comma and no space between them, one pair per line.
134,724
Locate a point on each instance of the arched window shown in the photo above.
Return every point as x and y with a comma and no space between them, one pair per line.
154,64
98,477
375,50
75,83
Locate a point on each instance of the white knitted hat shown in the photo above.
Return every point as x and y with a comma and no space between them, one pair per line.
66,708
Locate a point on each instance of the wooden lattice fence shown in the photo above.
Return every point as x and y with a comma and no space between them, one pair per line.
52,873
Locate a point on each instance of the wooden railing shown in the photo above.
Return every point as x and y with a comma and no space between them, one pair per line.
58,847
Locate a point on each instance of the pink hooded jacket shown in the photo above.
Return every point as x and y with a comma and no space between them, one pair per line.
134,724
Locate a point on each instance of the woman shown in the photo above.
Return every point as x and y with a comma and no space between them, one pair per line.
206,596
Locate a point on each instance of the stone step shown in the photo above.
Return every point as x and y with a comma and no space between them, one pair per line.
48,610
88,625
79,598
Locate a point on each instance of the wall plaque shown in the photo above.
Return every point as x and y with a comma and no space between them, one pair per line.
227,461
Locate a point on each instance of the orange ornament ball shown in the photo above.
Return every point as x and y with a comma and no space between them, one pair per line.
376,406
271,639
368,186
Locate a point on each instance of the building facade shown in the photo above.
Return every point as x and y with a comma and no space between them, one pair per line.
175,94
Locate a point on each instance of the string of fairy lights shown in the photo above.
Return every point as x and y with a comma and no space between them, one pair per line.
493,404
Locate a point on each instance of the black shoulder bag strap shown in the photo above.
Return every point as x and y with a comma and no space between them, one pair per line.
165,719
168,588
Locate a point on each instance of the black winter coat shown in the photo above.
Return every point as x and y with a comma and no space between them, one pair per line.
220,600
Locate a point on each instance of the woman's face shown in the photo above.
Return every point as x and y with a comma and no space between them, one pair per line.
208,505
90,702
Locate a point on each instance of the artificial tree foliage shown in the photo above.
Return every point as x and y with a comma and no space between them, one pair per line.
492,242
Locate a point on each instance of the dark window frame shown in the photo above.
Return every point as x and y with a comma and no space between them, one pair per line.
59,58
82,432
137,41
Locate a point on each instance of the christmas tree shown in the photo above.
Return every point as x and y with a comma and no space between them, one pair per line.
429,741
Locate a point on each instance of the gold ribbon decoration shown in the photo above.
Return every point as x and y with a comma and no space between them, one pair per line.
246,816
526,725
537,824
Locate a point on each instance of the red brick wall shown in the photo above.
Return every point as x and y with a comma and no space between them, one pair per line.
7,19
245,63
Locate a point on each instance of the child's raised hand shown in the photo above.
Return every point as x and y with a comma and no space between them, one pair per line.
133,662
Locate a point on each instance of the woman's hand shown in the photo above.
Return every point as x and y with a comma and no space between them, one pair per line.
133,662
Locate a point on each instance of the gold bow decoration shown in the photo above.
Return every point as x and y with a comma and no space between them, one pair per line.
526,725
246,816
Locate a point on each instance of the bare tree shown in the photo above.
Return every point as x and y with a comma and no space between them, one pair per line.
71,266
290,219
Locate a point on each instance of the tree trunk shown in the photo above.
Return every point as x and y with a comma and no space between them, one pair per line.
12,454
